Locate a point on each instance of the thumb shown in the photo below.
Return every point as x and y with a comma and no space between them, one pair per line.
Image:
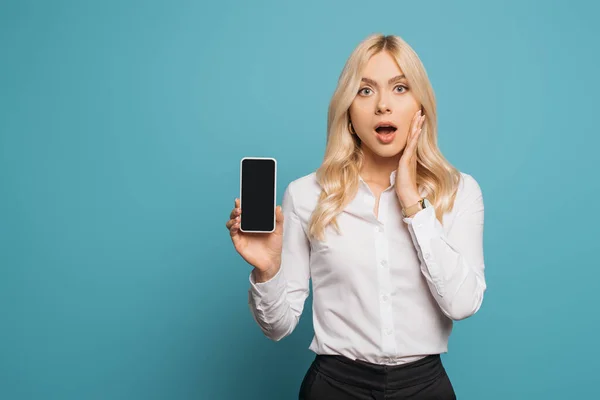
279,219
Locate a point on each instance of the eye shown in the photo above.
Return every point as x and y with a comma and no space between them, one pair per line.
361,91
402,86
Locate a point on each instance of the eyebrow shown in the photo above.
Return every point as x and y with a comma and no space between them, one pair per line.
372,82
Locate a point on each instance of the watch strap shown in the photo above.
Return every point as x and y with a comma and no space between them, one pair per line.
413,209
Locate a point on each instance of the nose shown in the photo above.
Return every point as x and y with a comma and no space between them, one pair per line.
382,106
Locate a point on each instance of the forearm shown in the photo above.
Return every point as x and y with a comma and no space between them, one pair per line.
271,305
276,297
453,281
452,263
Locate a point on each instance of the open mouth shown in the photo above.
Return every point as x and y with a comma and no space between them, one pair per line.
385,130
385,127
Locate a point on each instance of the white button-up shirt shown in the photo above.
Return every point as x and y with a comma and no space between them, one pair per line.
387,290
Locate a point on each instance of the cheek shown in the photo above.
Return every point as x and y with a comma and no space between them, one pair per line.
405,125
362,106
406,117
361,114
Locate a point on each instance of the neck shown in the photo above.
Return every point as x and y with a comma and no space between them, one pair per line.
378,169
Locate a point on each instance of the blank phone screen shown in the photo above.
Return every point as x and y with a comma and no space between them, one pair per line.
258,194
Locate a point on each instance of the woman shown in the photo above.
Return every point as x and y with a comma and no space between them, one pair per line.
389,232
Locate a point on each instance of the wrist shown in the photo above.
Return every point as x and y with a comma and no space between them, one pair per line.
408,200
263,276
414,209
412,214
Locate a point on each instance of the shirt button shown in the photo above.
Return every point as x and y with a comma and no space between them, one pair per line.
426,255
384,297
388,331
383,263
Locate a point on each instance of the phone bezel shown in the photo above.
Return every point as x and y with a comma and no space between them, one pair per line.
274,192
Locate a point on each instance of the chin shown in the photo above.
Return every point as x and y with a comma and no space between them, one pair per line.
389,150
389,153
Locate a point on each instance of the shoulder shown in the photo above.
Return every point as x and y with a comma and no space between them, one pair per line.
304,182
468,191
304,193
468,185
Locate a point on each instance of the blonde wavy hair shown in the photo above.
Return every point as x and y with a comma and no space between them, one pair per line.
343,160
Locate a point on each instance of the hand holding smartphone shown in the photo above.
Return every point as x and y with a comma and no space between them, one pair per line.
256,222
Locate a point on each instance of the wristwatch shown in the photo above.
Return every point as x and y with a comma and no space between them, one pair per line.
412,210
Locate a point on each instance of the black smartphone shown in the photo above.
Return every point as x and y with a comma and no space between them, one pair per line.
258,194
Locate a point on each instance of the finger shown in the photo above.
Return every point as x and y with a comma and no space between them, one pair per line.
233,220
234,230
417,116
235,212
418,126
410,149
279,214
418,123
416,119
279,220
413,126
418,131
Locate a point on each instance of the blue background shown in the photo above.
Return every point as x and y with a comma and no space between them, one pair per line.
122,125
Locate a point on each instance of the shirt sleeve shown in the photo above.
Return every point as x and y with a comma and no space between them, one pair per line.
453,262
277,304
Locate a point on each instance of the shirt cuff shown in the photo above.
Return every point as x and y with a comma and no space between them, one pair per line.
421,217
269,291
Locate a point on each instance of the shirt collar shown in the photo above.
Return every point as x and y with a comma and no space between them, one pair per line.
392,178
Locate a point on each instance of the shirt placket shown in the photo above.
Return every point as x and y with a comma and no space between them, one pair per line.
384,279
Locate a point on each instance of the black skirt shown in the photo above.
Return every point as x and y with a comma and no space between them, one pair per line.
336,377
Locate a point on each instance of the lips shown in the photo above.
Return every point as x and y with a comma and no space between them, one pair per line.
385,128
385,132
